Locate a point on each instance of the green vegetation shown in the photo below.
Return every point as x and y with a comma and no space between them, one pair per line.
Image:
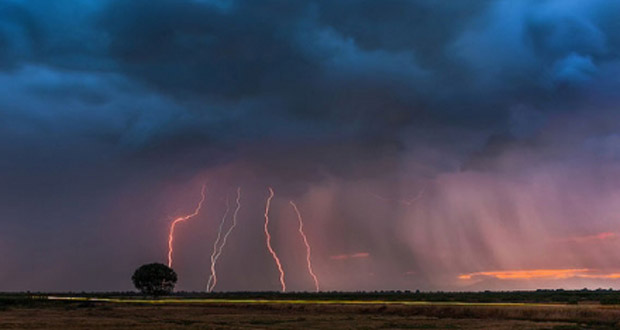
539,296
571,297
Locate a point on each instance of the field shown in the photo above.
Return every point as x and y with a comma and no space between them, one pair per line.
284,312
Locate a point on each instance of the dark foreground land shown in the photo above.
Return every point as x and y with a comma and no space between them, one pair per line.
292,312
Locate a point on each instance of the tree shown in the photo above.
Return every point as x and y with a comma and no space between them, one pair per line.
154,279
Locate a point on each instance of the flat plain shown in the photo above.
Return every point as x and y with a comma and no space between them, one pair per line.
303,315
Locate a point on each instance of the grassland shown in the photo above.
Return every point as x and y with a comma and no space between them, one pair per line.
273,311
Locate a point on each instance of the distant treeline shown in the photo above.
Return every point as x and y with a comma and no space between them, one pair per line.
603,296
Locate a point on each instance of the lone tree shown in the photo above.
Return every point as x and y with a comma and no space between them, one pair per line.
154,279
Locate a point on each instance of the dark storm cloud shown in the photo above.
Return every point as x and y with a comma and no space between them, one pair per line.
366,68
98,97
55,33
372,69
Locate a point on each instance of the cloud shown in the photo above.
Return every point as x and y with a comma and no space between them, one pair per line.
358,67
350,256
574,69
605,236
501,112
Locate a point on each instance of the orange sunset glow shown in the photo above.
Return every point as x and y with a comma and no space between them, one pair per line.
554,274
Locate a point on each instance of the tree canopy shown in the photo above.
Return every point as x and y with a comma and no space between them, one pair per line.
154,279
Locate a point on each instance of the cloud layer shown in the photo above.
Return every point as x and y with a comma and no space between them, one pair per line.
417,131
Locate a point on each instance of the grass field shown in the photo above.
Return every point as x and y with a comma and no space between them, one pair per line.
187,313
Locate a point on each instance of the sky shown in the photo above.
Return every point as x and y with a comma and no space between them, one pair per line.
431,145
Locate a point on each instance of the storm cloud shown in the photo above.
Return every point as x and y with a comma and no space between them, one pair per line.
500,114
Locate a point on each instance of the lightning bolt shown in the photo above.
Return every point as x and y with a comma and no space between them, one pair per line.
217,240
268,240
305,239
213,278
181,219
